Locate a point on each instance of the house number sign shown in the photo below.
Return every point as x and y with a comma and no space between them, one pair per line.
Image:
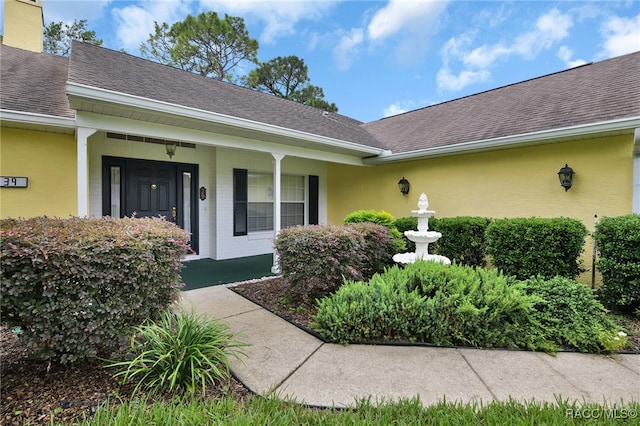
13,182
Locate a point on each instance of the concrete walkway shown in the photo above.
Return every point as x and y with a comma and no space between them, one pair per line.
293,364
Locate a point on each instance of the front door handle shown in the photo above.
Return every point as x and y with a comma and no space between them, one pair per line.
174,213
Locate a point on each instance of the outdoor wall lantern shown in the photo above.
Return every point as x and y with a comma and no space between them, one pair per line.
566,177
403,184
171,148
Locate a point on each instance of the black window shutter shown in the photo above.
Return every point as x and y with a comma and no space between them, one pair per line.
314,187
240,193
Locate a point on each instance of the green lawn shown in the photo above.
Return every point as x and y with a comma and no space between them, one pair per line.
262,411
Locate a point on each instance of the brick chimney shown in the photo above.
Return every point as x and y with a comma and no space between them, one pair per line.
23,24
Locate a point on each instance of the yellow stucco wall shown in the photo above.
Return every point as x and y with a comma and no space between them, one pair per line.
49,161
519,182
23,23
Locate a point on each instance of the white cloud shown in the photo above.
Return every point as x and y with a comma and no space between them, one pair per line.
549,29
411,22
400,107
448,81
393,109
134,23
347,48
484,56
566,55
621,35
280,17
400,15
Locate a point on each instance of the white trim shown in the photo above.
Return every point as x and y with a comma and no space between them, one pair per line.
104,95
544,136
635,183
277,208
164,131
33,118
82,136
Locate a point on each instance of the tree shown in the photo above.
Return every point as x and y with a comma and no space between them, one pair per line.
205,44
287,77
58,36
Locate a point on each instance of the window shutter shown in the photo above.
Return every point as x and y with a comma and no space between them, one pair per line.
314,187
240,195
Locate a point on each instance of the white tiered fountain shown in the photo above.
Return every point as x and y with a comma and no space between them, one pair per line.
422,237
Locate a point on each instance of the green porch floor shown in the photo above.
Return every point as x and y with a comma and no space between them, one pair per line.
209,272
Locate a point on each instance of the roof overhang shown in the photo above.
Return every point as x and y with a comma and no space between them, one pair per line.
38,122
585,131
106,102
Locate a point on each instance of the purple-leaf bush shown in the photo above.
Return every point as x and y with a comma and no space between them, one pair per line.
316,260
75,287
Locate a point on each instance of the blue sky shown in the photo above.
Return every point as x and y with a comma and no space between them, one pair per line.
378,58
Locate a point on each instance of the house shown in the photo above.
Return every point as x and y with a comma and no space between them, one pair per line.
106,133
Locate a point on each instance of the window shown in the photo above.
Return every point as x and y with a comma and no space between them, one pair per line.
114,187
292,198
255,212
259,202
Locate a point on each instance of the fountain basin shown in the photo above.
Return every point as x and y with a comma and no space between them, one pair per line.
423,236
406,258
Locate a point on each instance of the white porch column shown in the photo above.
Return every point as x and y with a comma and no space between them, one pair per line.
635,184
277,171
82,134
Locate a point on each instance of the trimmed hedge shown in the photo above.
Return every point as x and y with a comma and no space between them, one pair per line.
463,238
618,242
317,259
528,247
75,286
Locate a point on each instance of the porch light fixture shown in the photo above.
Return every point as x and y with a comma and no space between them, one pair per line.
566,177
171,148
403,184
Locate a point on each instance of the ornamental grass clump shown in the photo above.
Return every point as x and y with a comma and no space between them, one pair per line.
181,352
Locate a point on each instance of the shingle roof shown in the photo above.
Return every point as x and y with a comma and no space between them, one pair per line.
596,92
99,67
33,82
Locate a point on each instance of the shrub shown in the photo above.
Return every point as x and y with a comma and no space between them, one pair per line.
618,242
75,286
317,259
572,316
528,247
381,218
403,224
381,310
432,303
379,247
179,352
474,306
463,239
